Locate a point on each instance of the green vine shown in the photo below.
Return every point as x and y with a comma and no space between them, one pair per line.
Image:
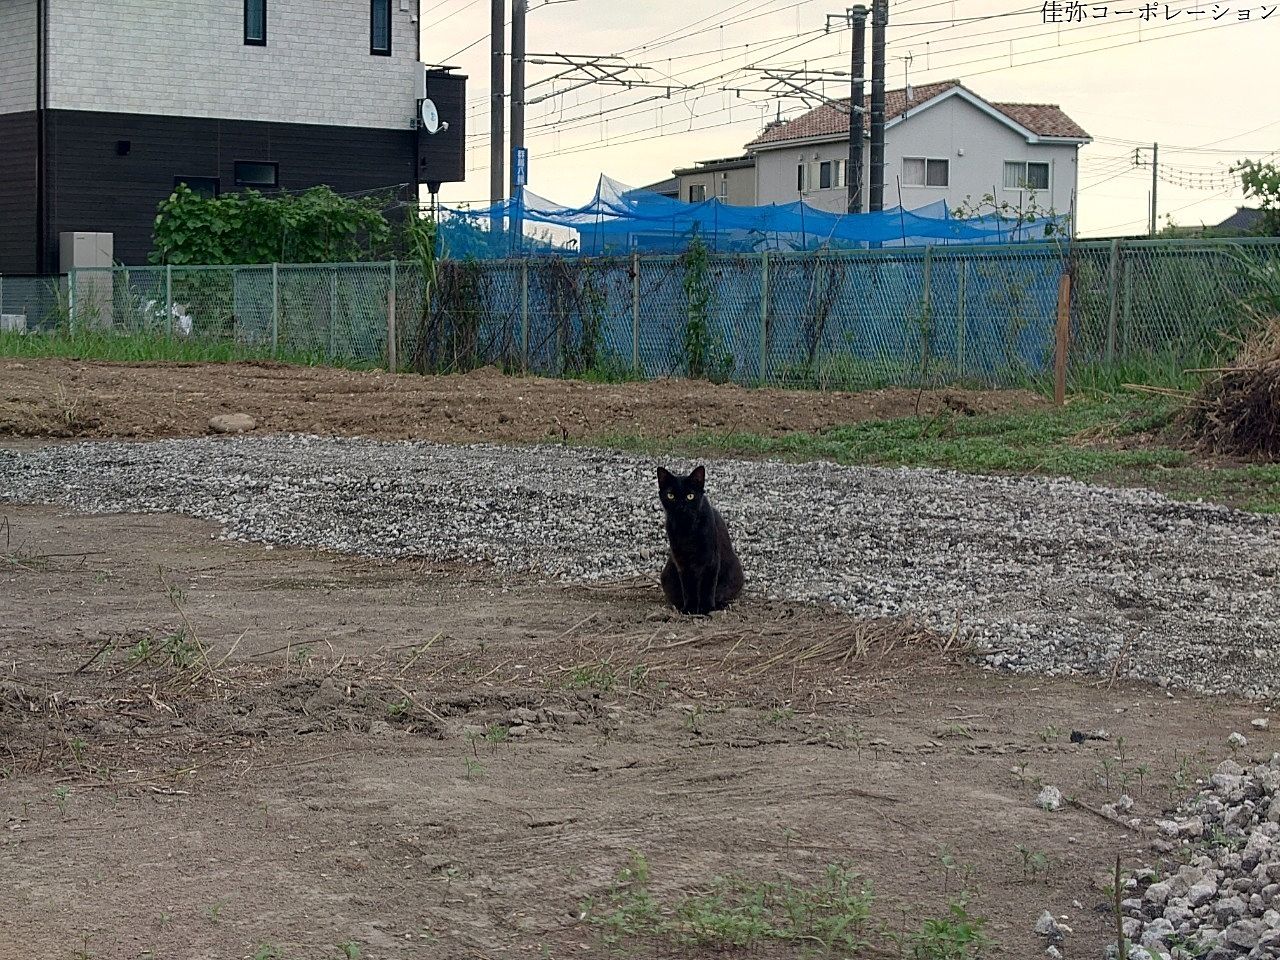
697,289
592,311
1026,212
247,228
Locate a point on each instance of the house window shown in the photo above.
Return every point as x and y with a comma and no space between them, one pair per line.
1026,175
255,174
380,32
255,23
925,172
722,188
799,178
840,173
201,186
697,192
824,176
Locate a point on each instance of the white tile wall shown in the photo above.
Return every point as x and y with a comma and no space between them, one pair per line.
17,56
189,58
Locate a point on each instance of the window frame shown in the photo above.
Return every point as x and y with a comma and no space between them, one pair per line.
1024,181
216,183
374,51
946,167
826,175
925,163
274,165
255,41
722,187
702,187
924,171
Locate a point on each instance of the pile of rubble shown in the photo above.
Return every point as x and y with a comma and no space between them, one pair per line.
1223,903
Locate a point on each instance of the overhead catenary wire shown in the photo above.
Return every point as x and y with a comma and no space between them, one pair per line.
694,65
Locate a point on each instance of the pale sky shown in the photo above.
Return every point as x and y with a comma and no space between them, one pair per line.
1202,88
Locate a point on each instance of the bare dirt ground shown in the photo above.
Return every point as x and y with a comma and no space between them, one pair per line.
71,398
435,762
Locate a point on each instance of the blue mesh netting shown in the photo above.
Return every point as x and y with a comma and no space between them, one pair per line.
622,219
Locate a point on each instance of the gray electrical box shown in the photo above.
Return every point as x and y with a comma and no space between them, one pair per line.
91,256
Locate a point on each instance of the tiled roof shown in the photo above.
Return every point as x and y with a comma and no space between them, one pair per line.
1046,120
1245,218
1043,119
669,186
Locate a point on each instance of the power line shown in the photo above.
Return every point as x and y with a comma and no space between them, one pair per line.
1168,213
467,6
579,122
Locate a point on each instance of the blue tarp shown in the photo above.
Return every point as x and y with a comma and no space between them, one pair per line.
619,219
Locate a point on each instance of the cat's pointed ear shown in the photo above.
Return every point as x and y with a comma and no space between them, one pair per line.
663,477
699,476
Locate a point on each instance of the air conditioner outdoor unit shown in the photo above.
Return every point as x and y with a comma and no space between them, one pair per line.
13,323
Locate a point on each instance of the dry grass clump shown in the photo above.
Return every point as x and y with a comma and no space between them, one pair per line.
1237,411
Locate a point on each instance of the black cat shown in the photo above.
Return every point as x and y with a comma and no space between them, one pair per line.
703,573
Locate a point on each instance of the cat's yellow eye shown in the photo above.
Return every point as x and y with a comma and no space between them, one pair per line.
670,495
688,496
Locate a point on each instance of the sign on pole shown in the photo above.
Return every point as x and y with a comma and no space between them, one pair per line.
520,166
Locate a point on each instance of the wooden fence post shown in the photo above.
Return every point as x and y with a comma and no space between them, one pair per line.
391,321
635,313
764,317
1064,336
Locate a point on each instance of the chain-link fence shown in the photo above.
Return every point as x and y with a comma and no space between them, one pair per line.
852,319
30,303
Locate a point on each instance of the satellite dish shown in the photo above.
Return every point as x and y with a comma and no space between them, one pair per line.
430,118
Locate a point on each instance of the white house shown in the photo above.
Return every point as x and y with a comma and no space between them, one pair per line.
942,142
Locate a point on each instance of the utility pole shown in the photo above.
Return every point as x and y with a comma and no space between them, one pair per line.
1155,181
879,23
497,106
853,174
855,17
1155,185
519,12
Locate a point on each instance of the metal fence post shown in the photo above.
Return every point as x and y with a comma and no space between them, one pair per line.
961,330
333,313
524,313
926,309
635,312
1113,299
1126,315
275,309
73,276
764,317
391,321
168,296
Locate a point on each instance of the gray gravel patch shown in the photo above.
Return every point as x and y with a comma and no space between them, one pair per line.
1047,576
